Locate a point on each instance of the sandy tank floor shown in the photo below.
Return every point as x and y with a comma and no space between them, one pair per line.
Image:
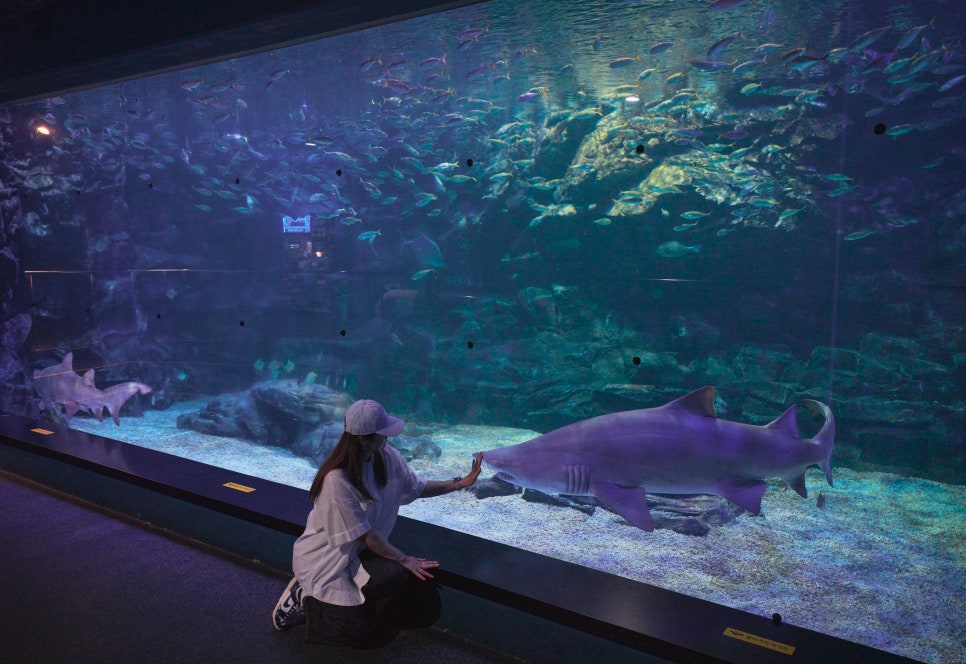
882,563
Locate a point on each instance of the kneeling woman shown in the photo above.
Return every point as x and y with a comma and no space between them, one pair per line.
351,585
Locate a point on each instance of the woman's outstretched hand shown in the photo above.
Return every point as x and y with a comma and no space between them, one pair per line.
418,566
475,470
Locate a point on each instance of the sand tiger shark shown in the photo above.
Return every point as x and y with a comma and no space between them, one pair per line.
61,384
677,448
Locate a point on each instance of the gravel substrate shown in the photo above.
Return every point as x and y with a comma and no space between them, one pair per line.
883,562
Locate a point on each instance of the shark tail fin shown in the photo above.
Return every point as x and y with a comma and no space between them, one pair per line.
825,438
116,395
114,398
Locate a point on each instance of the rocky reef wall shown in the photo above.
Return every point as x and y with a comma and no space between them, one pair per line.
16,394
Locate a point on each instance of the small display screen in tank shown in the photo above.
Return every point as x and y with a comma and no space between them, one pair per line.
300,225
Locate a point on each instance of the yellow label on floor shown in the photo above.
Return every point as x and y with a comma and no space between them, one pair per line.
239,487
759,641
43,431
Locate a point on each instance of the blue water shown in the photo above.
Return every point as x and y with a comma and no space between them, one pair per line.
521,214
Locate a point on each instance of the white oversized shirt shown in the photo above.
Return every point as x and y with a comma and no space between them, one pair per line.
325,558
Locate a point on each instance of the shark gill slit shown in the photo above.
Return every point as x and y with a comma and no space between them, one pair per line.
577,480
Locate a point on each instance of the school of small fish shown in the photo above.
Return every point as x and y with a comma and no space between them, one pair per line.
427,138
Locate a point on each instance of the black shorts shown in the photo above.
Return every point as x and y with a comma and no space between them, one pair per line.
394,600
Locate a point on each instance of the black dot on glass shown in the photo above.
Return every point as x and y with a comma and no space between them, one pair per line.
469,344
241,323
342,333
150,185
776,618
237,181
77,191
636,360
639,149
879,129
158,316
469,162
339,172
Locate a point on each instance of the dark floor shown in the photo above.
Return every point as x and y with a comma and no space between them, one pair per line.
82,585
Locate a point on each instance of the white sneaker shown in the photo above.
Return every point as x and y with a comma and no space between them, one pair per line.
288,611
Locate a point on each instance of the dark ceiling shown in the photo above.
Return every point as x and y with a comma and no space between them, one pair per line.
49,47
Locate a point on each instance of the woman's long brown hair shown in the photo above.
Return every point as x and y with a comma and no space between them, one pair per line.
348,456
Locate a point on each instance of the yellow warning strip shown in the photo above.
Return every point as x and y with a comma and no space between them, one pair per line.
42,431
238,487
759,641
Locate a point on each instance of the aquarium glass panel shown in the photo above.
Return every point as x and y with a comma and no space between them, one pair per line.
518,218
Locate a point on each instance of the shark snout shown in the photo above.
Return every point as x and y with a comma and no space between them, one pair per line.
504,468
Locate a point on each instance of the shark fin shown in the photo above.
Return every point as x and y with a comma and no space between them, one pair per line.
798,483
746,496
627,502
71,408
114,408
116,395
824,438
700,402
88,378
785,423
67,364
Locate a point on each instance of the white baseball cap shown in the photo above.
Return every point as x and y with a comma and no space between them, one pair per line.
367,416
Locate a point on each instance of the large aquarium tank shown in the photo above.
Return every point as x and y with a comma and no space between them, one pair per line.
511,217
